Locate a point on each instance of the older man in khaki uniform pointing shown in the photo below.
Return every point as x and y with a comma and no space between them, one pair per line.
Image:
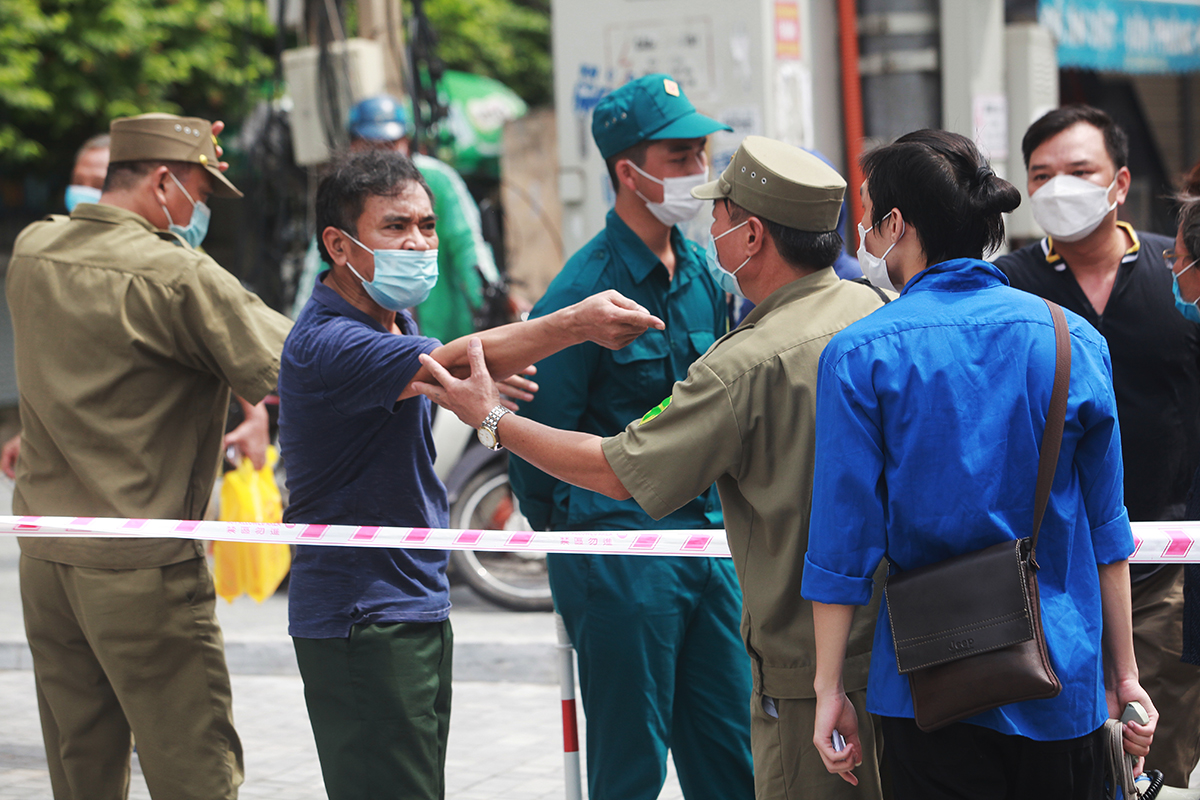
743,417
128,340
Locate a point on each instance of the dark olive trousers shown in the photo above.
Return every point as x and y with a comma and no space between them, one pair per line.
127,653
379,704
1172,684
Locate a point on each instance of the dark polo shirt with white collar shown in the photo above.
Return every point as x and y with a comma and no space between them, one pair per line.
1155,359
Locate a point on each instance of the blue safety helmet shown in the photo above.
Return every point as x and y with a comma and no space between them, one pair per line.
382,118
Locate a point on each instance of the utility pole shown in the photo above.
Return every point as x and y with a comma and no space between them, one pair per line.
381,21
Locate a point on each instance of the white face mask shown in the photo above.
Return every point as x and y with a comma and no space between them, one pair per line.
875,267
1069,208
678,205
727,280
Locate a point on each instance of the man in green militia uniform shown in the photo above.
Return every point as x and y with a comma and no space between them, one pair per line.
743,417
128,340
661,665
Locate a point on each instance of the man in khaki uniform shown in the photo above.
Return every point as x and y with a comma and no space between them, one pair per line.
744,417
128,341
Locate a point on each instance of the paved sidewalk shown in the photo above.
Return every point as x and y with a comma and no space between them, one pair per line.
505,730
505,742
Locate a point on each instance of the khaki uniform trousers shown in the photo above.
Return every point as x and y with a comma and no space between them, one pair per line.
135,651
1173,685
787,765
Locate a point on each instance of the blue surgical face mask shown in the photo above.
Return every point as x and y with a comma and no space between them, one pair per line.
725,279
77,194
197,228
403,278
1188,310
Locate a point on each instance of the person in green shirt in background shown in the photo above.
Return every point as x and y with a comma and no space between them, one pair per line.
465,261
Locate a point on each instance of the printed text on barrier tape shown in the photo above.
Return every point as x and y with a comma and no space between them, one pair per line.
1155,542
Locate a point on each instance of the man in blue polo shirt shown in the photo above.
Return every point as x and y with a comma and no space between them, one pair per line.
661,662
370,626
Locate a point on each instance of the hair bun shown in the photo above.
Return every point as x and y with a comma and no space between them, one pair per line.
982,174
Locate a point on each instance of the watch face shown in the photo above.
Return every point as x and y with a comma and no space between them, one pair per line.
487,438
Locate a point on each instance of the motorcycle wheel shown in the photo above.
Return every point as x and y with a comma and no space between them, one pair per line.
516,581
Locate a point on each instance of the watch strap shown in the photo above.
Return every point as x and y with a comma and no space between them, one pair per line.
492,420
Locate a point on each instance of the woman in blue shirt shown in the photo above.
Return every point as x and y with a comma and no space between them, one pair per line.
930,414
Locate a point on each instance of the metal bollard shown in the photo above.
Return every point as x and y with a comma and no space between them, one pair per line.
572,778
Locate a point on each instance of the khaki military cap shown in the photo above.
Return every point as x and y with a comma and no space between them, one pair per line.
782,183
166,137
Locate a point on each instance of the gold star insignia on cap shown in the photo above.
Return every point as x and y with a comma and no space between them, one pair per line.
671,87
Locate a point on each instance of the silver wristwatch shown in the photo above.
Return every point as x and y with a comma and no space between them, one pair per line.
487,431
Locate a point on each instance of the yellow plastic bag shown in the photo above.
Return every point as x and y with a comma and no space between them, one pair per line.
255,569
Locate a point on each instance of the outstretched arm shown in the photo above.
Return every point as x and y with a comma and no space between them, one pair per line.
567,455
609,319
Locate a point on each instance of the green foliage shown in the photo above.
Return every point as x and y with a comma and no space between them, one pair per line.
67,67
508,40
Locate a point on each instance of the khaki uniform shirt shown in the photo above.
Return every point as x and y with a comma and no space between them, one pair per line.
744,417
127,343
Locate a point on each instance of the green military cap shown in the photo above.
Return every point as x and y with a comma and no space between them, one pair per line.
651,107
782,183
166,137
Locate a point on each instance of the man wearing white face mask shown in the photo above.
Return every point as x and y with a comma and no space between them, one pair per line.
660,663
1117,279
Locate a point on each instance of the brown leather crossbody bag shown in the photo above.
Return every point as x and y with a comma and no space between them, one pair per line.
968,630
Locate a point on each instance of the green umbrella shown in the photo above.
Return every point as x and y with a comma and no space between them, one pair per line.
471,134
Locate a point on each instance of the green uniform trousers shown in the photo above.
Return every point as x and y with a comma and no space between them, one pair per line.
379,704
661,665
135,651
1173,685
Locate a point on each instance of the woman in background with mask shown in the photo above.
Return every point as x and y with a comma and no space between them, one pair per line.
930,415
1183,258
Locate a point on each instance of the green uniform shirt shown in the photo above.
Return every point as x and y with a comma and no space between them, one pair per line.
595,390
127,342
744,417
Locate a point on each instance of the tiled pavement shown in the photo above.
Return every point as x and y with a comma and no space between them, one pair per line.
505,730
504,742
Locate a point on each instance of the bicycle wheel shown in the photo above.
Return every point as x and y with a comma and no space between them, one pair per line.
516,581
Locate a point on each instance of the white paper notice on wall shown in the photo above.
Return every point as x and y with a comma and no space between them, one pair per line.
793,122
991,125
682,48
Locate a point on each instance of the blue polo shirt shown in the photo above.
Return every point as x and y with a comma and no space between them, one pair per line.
930,414
356,456
595,390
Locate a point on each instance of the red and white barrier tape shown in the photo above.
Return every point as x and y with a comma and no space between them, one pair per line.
655,543
1156,542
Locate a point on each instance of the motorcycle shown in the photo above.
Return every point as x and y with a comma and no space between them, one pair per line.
476,481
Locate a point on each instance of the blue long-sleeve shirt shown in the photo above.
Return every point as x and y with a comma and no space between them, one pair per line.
930,413
589,388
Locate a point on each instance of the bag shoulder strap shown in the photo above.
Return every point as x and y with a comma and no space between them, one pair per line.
882,294
1055,419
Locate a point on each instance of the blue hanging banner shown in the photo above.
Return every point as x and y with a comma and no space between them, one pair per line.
1132,36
